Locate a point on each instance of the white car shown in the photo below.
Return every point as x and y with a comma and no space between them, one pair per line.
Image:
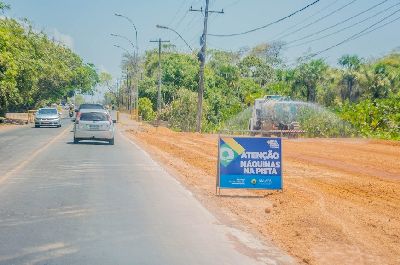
94,124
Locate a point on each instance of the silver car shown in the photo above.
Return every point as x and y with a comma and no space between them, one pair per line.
94,124
47,117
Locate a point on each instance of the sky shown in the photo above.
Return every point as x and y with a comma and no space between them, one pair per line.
86,25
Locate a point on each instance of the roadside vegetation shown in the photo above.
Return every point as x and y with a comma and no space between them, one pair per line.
36,70
359,96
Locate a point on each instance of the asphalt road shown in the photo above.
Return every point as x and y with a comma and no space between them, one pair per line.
93,203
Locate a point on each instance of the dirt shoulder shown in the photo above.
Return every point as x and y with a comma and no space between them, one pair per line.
6,127
340,204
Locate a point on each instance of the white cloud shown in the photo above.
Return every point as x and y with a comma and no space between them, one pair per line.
65,39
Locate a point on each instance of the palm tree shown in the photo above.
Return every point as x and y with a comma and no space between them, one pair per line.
350,76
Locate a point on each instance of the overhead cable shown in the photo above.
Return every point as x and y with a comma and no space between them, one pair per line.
298,23
357,35
269,24
318,20
342,29
341,22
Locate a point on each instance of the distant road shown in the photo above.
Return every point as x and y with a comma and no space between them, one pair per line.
64,203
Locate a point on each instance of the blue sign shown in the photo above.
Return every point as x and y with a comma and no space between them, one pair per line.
250,163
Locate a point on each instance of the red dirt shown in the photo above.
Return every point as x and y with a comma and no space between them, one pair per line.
341,199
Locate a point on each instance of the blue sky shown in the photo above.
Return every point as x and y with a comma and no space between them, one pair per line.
86,25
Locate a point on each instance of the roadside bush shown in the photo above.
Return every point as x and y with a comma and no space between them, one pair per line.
240,121
320,122
146,109
375,118
181,113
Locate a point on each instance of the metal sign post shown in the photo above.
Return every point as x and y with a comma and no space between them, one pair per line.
218,163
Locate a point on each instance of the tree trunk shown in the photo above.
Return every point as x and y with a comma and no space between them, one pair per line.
311,93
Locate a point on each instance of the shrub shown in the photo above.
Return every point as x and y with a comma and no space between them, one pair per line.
320,122
146,109
376,118
182,112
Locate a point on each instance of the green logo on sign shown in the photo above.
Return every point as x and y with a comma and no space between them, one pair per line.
227,155
229,150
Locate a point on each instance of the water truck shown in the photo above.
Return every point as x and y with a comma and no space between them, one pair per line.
275,115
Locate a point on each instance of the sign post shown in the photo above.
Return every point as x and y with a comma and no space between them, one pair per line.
249,163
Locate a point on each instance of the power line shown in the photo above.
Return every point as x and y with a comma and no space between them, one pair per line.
341,22
318,20
191,21
181,20
304,20
232,4
213,19
195,39
355,36
342,29
177,12
159,41
268,25
381,26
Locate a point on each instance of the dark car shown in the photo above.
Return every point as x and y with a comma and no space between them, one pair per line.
88,106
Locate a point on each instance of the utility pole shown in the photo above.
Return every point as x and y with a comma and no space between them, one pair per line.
117,94
128,90
160,41
136,96
202,58
136,59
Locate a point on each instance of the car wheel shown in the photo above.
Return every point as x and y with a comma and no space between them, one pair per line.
59,126
37,126
111,142
76,140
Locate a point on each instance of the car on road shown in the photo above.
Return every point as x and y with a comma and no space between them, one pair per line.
94,124
47,117
90,106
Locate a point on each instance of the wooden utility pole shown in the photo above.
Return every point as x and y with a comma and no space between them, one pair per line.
202,58
128,90
160,41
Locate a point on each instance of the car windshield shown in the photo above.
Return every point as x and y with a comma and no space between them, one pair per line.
93,116
47,111
90,106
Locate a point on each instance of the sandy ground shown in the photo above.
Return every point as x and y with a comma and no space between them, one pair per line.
6,127
341,199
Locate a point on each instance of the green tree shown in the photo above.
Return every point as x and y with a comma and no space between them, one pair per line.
35,70
307,77
181,112
350,76
4,7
